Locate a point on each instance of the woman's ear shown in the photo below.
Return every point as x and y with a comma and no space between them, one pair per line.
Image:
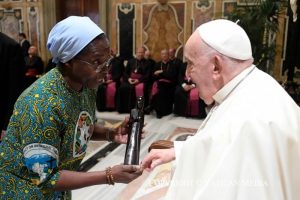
68,65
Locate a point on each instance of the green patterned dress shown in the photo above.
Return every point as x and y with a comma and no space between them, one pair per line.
48,131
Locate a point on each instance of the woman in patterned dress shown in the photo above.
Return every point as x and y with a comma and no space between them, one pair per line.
54,119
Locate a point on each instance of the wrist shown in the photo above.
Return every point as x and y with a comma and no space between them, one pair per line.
110,180
109,134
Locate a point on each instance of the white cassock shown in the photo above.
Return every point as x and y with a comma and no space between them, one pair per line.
248,147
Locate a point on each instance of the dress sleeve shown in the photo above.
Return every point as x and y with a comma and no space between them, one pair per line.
40,136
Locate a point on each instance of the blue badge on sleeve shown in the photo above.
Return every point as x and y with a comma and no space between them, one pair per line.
40,159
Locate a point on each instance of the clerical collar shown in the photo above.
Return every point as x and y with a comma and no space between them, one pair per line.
224,92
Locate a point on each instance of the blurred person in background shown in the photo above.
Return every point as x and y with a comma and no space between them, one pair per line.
12,77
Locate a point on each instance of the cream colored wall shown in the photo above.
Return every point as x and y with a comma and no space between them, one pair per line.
218,8
35,25
49,22
107,9
46,20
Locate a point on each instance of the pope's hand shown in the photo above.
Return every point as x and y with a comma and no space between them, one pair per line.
157,157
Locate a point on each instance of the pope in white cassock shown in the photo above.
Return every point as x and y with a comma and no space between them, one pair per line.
248,147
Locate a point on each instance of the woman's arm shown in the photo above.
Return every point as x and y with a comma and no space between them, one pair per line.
70,180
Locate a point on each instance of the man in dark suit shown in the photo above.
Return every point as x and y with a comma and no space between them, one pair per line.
12,70
25,44
34,66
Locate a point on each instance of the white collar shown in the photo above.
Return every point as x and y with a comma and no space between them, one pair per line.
226,90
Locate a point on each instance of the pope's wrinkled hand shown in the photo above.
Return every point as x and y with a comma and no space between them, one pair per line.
157,157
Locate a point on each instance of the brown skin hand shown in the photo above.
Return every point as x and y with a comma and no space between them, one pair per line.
70,180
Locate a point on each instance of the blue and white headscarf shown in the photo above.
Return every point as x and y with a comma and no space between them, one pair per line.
68,37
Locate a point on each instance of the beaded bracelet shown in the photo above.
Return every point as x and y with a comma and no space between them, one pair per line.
109,177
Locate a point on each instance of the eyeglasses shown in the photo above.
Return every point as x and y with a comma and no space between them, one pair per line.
99,68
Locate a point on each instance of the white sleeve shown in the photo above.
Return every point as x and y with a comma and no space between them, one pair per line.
177,148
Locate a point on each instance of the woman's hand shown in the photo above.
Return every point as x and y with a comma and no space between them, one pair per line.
121,132
126,173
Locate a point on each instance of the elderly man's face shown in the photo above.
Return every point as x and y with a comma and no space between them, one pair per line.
32,51
172,53
200,68
164,54
147,54
140,53
90,67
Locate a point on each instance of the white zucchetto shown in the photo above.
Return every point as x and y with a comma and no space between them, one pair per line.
226,37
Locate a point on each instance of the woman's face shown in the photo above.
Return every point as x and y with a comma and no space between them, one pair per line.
90,67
